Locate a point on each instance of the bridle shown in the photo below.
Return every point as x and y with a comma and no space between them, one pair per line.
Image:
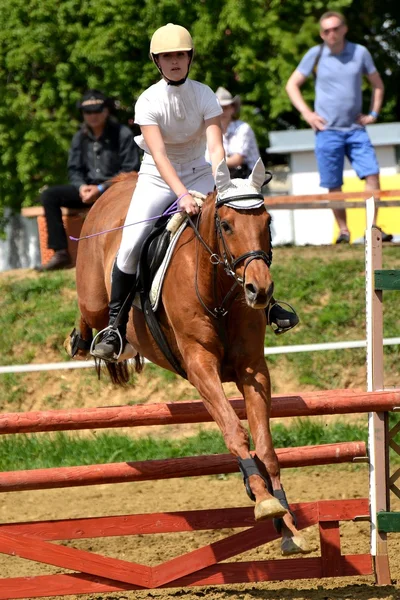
226,259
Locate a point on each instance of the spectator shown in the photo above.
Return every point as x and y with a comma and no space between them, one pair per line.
101,149
338,66
239,141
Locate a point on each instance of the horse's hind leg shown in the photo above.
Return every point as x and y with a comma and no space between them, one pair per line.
255,386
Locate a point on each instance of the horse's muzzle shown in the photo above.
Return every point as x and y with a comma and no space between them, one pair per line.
256,297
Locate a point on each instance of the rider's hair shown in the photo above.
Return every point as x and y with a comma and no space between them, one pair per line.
333,13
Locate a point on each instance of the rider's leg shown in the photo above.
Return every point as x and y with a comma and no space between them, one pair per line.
123,289
111,341
282,319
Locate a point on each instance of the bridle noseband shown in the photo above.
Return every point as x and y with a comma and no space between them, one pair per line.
229,262
226,259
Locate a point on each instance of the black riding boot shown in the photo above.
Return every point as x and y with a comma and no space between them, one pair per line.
112,339
282,319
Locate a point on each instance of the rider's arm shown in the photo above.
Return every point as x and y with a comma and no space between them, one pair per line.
214,142
154,140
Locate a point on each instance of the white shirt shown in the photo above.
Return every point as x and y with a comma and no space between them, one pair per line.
179,112
239,138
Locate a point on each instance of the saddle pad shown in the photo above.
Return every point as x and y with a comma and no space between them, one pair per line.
156,285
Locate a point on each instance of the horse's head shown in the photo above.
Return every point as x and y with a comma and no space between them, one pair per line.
244,236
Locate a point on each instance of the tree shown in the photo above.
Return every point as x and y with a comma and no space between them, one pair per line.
51,51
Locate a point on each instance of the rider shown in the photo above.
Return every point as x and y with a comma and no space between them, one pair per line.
178,117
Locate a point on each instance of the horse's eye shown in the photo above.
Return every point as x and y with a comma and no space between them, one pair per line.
226,227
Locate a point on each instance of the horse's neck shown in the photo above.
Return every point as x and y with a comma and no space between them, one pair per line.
208,233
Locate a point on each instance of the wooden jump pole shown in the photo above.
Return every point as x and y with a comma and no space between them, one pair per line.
330,402
192,466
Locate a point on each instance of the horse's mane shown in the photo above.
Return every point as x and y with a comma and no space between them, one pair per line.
124,177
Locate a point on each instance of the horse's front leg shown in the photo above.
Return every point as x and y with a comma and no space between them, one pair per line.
204,373
254,383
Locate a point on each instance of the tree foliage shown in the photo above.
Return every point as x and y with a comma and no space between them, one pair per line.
51,51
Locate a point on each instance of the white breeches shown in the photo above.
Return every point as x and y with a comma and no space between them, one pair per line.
151,197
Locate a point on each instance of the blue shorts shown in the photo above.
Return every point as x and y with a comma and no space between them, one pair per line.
332,146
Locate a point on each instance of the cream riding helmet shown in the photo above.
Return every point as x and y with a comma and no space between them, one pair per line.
171,38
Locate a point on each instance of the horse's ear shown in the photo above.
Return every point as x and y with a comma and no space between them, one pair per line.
257,176
222,176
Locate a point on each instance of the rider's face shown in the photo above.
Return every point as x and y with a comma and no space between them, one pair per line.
174,65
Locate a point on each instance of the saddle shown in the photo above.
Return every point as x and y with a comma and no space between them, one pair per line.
153,253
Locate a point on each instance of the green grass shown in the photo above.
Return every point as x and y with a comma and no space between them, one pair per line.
35,451
325,285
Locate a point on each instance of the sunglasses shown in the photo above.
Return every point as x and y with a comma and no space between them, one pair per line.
92,112
335,29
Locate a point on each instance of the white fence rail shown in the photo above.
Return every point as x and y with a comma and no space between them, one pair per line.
267,351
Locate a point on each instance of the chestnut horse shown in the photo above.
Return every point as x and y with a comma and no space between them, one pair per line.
214,294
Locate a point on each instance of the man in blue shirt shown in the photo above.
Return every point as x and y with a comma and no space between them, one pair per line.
338,67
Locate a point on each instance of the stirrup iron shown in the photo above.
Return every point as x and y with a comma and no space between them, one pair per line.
274,326
102,333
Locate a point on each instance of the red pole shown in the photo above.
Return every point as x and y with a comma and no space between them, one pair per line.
331,402
193,466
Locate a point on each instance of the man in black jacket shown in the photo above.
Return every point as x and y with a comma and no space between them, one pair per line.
101,149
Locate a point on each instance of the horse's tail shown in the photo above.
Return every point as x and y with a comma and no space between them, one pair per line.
120,373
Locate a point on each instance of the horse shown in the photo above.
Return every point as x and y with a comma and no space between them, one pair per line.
214,295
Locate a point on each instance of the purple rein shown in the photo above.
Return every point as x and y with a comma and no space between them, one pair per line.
171,210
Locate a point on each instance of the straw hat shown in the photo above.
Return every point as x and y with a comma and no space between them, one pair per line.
225,98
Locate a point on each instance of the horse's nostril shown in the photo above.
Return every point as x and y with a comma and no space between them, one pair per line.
251,289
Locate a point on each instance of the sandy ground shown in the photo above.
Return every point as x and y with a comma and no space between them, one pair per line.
199,493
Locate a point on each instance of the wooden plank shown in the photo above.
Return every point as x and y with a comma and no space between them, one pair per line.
193,466
329,536
387,279
342,510
378,429
329,402
364,195
233,573
74,559
307,513
276,204
389,522
38,211
152,523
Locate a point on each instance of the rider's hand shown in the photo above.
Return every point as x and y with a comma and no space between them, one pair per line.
189,205
315,120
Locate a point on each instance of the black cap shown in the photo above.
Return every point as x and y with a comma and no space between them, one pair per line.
93,101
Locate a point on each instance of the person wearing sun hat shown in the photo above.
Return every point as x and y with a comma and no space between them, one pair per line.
239,141
101,149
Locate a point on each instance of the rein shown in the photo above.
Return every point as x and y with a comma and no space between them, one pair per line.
226,260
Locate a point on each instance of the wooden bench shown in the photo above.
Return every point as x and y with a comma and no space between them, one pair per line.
73,220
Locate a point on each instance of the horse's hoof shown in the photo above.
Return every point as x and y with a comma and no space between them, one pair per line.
295,545
269,509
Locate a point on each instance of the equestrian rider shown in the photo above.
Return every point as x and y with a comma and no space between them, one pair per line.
178,117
